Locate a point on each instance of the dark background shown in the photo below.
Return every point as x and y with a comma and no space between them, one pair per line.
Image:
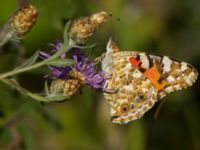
169,27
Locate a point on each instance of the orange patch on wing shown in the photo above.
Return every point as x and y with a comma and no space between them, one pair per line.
154,75
134,62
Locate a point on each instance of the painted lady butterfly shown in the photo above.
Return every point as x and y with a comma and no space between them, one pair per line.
136,80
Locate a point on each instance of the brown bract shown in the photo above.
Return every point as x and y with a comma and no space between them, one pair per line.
22,21
68,87
84,27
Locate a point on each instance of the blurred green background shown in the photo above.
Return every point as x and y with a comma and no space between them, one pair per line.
155,26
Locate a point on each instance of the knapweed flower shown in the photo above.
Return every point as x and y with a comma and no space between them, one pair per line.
84,27
71,78
22,21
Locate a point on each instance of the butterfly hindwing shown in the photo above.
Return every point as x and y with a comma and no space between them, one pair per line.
133,95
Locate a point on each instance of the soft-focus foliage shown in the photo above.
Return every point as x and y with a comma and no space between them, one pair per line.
158,26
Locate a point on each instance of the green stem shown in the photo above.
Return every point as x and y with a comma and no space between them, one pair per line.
14,72
34,66
13,83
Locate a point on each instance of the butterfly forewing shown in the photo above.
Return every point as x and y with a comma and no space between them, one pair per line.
171,74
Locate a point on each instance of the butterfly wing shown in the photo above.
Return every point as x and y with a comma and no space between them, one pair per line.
167,74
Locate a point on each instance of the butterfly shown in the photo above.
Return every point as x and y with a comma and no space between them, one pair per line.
137,80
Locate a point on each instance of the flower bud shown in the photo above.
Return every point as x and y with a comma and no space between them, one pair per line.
84,27
22,21
66,87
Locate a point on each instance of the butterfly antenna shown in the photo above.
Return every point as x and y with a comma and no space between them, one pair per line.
114,23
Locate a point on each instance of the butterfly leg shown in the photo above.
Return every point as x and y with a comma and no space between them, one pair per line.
99,59
110,91
109,88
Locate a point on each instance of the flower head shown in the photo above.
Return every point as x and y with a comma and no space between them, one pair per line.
83,70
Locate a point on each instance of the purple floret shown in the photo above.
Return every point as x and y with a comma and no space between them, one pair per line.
92,77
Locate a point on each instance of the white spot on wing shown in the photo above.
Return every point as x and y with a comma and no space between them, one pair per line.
169,89
170,79
177,87
192,77
166,64
183,66
128,66
188,81
145,62
129,87
137,74
112,111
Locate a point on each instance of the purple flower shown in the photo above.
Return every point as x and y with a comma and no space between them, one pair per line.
83,69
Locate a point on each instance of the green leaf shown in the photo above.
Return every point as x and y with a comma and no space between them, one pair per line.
60,62
30,61
46,87
65,33
37,97
57,97
85,46
14,84
50,98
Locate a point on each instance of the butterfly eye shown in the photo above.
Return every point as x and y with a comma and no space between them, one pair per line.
124,108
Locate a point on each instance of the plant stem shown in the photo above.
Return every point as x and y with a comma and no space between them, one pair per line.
13,83
14,72
34,66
